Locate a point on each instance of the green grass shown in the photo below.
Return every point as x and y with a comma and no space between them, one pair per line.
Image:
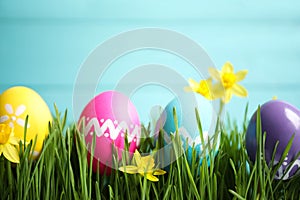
62,171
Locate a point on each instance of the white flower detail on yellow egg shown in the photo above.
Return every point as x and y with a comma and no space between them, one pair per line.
14,116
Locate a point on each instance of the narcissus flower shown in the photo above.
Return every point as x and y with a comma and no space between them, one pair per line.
227,81
8,144
205,88
144,166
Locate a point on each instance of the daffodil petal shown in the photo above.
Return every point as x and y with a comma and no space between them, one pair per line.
188,89
130,169
158,172
209,80
145,171
11,153
151,177
228,95
217,90
147,158
194,85
14,141
137,157
141,173
227,68
147,162
239,90
240,75
208,96
214,73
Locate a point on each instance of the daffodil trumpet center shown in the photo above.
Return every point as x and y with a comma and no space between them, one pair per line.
203,88
5,132
228,80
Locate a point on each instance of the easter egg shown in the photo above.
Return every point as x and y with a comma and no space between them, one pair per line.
18,102
169,125
187,129
110,116
280,120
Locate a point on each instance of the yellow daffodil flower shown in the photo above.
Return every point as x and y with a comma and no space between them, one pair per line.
8,144
228,81
204,87
144,166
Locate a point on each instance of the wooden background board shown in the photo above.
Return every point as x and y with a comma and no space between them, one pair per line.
43,44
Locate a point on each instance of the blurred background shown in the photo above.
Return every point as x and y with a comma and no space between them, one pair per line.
43,44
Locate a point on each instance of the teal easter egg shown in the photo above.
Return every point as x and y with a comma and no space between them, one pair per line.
188,132
170,126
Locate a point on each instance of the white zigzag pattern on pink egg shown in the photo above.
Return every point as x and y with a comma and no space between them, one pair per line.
113,130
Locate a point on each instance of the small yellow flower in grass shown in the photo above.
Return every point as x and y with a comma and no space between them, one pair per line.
8,143
144,166
204,87
228,81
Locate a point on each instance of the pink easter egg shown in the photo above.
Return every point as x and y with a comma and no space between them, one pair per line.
110,115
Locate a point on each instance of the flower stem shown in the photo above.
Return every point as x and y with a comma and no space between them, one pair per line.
220,123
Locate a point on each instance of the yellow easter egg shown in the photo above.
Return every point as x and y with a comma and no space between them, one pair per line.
18,102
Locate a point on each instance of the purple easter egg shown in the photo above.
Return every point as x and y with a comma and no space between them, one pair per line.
280,120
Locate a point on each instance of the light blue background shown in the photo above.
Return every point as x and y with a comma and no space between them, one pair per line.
43,44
